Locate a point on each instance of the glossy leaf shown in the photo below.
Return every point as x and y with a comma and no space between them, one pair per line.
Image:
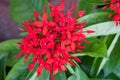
95,67
60,76
97,62
3,68
100,79
85,6
73,77
86,64
98,2
102,29
95,48
79,73
117,69
95,18
70,69
10,48
19,71
112,76
45,75
31,73
111,47
110,65
23,9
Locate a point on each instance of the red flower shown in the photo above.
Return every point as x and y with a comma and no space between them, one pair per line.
115,6
51,42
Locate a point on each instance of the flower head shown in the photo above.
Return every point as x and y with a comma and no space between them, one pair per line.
52,41
115,6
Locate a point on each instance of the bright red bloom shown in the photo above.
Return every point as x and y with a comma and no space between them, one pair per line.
51,42
115,6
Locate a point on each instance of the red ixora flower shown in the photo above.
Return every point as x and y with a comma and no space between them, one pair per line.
115,6
52,41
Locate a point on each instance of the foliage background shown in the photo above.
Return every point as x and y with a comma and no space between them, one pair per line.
100,60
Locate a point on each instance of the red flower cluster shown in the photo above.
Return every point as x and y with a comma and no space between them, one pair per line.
115,5
52,41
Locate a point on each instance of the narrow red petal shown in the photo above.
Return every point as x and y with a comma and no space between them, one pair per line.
55,71
45,30
36,14
90,31
73,46
38,24
45,17
31,66
50,61
63,68
81,13
39,70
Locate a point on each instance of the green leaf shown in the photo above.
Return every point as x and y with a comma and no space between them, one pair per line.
83,5
97,61
113,77
34,76
111,47
31,73
3,54
95,48
60,76
109,40
95,66
86,64
45,75
115,56
95,18
19,70
100,79
10,48
102,29
3,68
98,2
73,77
117,69
70,69
23,9
79,73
